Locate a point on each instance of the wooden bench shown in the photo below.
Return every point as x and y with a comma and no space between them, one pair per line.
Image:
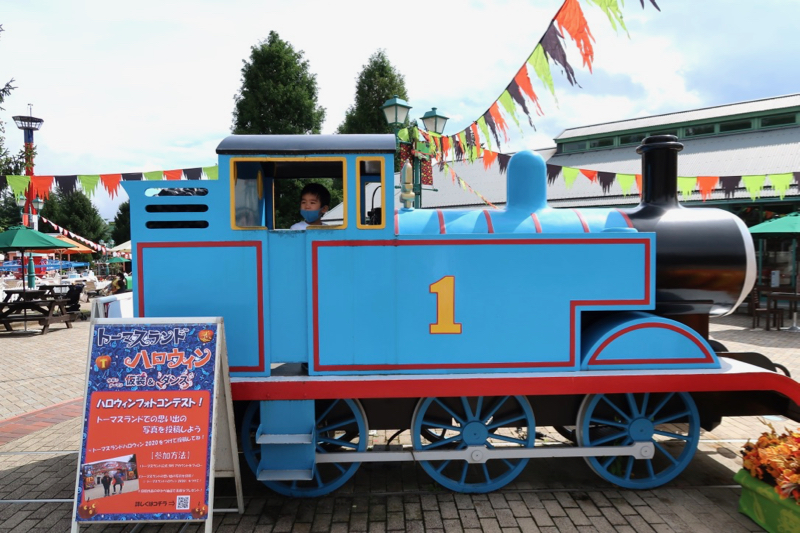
44,312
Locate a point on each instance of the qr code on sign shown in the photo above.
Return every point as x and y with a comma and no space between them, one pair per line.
182,503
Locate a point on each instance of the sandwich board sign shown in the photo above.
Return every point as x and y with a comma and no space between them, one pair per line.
158,422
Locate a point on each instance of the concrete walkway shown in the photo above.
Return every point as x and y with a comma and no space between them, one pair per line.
42,385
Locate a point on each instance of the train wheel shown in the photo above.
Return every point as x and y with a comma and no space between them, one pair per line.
341,425
457,423
669,420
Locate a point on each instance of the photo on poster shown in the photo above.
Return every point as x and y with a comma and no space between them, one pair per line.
110,477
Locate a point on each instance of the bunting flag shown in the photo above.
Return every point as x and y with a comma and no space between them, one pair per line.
41,186
67,184
729,184
88,183
753,185
686,185
626,182
781,182
569,174
552,173
606,180
466,186
111,183
707,184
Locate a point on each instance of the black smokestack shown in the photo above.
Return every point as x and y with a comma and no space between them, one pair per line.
660,170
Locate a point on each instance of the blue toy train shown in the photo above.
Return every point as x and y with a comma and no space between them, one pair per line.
465,327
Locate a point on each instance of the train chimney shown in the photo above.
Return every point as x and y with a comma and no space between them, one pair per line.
660,170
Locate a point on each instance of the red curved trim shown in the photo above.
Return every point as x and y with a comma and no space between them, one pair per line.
583,221
442,229
536,223
575,306
396,222
708,358
625,216
545,384
488,221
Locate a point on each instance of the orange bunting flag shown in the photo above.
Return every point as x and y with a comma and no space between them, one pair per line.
524,83
111,183
489,158
173,174
445,146
42,185
570,17
639,183
591,174
499,121
707,184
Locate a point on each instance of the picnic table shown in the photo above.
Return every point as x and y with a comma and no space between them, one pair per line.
46,306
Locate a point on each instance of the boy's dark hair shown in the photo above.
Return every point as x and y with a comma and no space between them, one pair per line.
320,191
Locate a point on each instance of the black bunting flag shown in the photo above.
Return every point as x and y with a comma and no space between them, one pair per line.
492,126
516,94
193,173
67,184
606,180
457,149
502,162
552,173
132,176
551,42
729,184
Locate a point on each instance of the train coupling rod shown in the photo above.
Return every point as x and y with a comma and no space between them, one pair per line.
481,454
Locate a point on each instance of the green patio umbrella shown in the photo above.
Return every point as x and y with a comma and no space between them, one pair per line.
20,239
118,260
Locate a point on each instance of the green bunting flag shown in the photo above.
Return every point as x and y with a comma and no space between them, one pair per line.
686,185
485,131
154,175
569,174
538,60
508,105
89,183
626,182
613,12
781,182
211,172
18,184
753,184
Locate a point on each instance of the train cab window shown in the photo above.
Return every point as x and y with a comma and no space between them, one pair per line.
370,183
266,192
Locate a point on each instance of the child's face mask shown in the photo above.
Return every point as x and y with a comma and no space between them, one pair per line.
310,215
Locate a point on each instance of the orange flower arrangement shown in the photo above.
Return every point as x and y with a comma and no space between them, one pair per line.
775,459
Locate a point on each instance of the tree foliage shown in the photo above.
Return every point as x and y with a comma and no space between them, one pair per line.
378,82
9,212
75,212
278,93
122,223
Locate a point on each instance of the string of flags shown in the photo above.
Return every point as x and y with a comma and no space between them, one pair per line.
91,244
687,185
519,96
42,185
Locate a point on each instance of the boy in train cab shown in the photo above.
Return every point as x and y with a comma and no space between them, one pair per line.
315,201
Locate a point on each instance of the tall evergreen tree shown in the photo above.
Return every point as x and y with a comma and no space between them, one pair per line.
122,223
75,212
378,82
278,93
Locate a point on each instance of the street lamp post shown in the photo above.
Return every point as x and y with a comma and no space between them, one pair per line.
396,110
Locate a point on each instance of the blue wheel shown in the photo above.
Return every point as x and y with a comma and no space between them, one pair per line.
670,420
341,426
457,423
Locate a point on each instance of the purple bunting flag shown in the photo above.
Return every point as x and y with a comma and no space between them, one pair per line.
552,173
67,184
502,162
606,180
551,42
729,184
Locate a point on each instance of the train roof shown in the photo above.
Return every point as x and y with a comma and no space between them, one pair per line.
306,144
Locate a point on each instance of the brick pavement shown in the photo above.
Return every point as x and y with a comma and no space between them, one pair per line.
44,374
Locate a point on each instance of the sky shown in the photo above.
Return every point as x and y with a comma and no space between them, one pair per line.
134,87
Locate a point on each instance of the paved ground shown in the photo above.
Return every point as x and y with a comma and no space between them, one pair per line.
41,387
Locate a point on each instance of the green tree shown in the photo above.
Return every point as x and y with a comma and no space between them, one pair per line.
75,212
278,94
378,82
9,212
121,231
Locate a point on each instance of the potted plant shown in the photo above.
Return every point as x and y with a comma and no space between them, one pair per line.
770,480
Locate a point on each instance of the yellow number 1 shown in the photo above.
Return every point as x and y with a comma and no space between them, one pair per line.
445,290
